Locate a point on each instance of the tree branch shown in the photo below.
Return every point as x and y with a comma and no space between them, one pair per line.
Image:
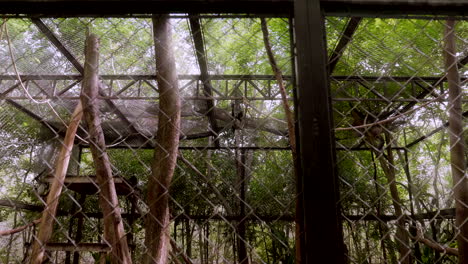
18,229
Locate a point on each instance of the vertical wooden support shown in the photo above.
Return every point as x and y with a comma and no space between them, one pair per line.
48,216
320,235
457,142
113,227
157,223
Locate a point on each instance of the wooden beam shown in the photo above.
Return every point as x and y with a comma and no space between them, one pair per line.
88,184
92,247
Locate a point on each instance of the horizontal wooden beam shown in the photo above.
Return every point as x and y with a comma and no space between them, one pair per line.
88,184
92,247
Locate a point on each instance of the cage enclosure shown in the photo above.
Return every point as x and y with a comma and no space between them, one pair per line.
233,131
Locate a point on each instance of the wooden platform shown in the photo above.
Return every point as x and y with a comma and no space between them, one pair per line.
87,184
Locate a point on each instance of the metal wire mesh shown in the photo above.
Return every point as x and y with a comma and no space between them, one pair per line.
395,176
233,191
233,186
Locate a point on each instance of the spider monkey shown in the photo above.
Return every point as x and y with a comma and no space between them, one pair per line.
236,113
372,134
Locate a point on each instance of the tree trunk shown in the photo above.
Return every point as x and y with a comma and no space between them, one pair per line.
48,216
457,156
114,233
300,225
387,164
241,188
79,229
167,142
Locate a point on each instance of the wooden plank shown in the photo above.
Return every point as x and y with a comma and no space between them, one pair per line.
48,216
320,238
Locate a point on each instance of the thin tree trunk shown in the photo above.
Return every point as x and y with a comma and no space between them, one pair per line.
200,243
79,229
457,142
279,79
411,190
387,164
240,228
292,137
382,227
188,237
49,213
366,241
167,142
114,233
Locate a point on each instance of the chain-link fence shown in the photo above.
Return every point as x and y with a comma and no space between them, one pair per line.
391,110
222,190
231,197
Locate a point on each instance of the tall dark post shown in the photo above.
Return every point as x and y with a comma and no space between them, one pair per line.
320,233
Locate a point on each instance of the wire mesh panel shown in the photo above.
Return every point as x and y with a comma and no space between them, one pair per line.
231,197
391,105
169,139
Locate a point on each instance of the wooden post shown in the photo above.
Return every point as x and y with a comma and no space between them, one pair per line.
167,142
49,213
457,142
113,227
